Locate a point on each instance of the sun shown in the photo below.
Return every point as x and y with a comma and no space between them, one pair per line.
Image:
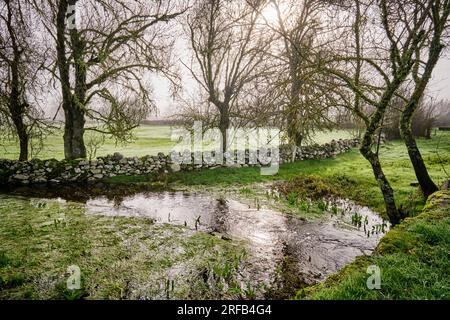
270,13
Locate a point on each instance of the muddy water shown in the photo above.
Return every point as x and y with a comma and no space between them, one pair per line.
285,253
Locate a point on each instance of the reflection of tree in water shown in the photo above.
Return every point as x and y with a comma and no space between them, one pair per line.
80,192
117,201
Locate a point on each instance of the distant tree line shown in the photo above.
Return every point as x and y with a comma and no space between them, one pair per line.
162,122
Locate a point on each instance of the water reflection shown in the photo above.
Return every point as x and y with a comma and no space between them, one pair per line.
285,253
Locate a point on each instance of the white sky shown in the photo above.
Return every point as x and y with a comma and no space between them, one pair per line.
439,86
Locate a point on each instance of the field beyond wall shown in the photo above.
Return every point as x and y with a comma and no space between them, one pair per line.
147,140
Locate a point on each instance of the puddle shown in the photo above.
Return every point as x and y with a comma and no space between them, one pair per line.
285,253
279,245
190,210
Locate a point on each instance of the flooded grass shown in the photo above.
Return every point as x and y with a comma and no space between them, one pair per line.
239,241
349,174
119,258
143,243
413,259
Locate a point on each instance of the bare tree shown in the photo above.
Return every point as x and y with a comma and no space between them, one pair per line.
384,50
20,66
442,109
299,28
228,49
422,122
103,51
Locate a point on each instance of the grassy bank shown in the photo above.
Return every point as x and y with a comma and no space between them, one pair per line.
413,259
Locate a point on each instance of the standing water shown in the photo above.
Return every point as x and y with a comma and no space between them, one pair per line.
284,253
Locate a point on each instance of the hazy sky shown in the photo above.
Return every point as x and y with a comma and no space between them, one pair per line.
439,88
440,84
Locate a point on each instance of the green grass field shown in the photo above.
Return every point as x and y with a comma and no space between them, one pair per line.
148,140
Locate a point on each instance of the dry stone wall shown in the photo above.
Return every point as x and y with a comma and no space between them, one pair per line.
64,171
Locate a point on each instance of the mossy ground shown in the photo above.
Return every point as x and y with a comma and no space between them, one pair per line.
119,258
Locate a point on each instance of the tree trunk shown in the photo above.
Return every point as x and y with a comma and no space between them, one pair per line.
72,102
427,185
293,130
22,133
74,147
16,103
395,216
224,124
17,110
392,212
23,148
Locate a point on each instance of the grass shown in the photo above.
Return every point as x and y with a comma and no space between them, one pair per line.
133,258
118,257
148,140
349,174
413,259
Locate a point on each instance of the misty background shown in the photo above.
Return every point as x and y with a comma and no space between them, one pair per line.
167,105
